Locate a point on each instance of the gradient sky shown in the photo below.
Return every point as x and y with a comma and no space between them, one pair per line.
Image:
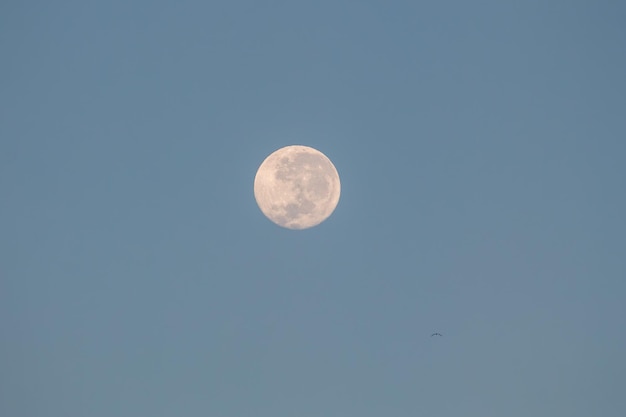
481,147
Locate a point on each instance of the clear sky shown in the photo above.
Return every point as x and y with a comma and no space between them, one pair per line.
481,147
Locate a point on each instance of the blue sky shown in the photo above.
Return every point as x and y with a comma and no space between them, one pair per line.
481,150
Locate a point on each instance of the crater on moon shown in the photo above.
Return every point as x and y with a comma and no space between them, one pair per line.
297,187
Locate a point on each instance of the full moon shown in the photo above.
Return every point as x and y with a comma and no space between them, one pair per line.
297,187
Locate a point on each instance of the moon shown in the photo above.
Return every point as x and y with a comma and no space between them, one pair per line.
297,187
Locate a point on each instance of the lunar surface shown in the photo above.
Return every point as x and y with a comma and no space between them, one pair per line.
297,187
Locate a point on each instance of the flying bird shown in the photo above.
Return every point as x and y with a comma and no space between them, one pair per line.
436,334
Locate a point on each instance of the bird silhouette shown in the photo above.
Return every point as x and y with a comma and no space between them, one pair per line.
436,334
